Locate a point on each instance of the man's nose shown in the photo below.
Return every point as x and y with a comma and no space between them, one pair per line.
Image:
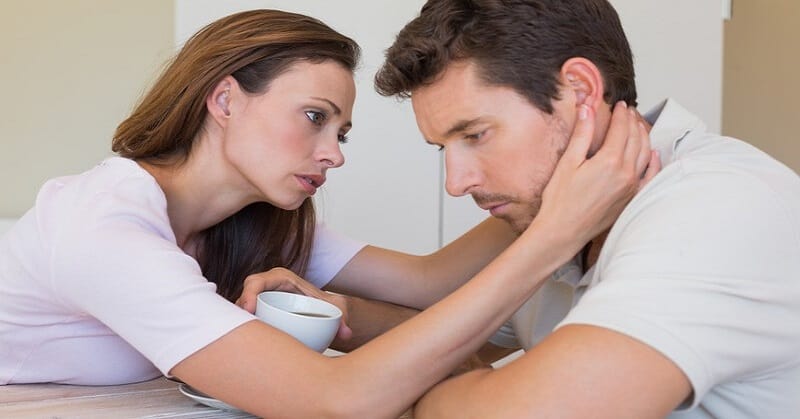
461,174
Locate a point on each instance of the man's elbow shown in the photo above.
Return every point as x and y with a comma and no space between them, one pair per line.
465,396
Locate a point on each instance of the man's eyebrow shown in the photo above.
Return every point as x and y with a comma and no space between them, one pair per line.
461,126
336,109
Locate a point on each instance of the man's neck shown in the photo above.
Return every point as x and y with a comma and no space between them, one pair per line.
592,250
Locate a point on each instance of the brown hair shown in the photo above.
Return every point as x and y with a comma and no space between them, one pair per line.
521,44
254,47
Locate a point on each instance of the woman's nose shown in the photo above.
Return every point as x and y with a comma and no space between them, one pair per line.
331,155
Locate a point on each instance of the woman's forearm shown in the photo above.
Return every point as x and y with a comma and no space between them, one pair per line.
426,348
420,281
382,378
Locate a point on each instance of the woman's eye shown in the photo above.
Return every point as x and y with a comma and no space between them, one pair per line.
316,117
343,139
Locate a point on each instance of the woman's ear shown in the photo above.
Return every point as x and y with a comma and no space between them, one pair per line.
218,101
583,80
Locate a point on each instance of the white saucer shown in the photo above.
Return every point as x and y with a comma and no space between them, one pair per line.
205,399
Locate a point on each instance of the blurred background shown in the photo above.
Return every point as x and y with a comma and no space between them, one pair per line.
74,69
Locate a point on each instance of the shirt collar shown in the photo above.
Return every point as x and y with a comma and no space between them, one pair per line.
570,272
671,124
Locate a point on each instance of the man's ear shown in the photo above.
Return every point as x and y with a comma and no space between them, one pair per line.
583,80
218,101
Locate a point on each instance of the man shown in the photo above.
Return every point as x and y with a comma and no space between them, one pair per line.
692,307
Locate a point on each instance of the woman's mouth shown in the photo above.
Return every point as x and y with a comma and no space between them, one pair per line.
310,183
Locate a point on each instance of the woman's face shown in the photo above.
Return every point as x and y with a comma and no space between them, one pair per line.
282,142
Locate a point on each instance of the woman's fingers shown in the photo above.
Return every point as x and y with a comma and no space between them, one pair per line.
618,133
645,152
587,197
255,284
282,279
638,150
344,332
653,167
581,139
276,279
637,144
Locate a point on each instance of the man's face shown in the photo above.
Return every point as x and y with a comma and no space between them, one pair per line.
498,146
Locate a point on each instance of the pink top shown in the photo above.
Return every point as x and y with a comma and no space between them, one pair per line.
95,290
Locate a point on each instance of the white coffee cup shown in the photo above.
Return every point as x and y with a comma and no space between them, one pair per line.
310,320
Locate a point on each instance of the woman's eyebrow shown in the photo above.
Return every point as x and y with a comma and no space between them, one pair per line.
336,109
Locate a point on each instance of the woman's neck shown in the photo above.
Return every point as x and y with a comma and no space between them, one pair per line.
199,194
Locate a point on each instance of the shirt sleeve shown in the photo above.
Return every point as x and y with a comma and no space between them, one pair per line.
330,252
505,337
116,260
711,288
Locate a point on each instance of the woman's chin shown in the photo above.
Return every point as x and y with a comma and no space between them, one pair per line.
288,206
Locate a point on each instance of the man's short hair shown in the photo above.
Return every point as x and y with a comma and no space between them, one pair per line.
520,44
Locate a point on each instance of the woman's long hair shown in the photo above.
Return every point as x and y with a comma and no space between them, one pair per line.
254,47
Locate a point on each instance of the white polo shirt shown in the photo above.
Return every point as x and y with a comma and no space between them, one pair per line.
94,289
704,266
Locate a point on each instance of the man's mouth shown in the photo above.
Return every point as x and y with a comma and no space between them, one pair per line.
499,209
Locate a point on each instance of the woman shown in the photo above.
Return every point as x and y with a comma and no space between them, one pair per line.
110,277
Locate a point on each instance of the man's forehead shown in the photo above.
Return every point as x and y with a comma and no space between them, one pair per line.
460,100
450,103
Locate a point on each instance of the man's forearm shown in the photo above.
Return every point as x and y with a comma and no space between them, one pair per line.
491,353
370,318
451,398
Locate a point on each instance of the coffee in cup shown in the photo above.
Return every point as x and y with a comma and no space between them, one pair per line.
312,321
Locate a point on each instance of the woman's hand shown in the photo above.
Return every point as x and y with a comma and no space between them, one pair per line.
587,194
282,279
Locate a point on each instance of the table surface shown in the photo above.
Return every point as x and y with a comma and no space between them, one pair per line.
157,398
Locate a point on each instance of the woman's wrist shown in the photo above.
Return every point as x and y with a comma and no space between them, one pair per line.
557,241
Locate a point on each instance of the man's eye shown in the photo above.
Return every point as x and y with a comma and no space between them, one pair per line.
316,117
475,136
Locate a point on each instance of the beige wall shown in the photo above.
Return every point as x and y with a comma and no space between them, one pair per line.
760,83
71,71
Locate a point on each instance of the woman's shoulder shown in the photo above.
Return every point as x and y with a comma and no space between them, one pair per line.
114,177
115,190
114,173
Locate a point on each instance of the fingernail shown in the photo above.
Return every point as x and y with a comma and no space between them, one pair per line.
583,113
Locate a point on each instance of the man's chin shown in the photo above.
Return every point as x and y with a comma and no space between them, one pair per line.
517,225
